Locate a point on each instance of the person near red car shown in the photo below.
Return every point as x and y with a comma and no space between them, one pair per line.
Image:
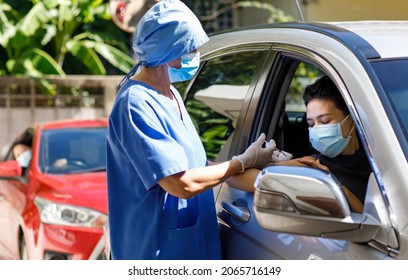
22,153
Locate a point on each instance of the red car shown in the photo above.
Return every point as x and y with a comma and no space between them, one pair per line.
56,207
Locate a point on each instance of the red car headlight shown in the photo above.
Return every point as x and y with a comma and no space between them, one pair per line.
69,215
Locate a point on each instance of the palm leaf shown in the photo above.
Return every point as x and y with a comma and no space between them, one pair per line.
113,55
46,63
7,30
35,63
215,132
86,55
34,19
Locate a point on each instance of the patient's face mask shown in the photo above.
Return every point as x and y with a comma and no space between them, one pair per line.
189,66
24,158
328,138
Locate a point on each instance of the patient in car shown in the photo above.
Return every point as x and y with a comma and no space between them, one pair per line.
22,153
332,133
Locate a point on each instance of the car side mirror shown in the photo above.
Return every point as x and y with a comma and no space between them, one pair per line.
10,168
308,201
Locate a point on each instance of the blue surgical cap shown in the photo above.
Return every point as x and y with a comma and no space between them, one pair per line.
167,31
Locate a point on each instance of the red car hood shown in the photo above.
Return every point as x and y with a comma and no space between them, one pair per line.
87,190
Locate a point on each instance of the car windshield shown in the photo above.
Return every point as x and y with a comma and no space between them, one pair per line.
73,150
392,75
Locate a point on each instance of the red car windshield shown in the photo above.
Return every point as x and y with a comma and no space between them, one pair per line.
73,150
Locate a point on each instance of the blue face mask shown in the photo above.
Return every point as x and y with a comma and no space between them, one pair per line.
189,66
328,138
24,158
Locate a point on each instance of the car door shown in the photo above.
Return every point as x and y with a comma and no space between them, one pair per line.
219,96
13,191
12,202
279,113
272,104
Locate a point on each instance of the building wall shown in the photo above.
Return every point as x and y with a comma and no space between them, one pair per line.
329,10
22,103
252,16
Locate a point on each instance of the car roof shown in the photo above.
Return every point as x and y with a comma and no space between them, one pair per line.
389,38
374,39
69,123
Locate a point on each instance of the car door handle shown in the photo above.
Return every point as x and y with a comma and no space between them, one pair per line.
237,209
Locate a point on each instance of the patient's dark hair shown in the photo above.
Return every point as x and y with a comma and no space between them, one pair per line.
326,89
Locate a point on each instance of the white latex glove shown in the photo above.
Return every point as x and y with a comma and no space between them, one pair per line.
255,156
278,155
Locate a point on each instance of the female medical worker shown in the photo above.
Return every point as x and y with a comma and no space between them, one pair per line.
160,198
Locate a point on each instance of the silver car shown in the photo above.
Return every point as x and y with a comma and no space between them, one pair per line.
251,81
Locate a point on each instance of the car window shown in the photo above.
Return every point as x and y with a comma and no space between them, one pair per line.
73,150
391,74
282,112
305,75
217,94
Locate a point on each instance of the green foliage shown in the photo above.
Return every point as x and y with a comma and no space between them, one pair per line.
60,37
305,73
213,128
275,14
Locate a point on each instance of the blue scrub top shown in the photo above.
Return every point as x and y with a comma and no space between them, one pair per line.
149,140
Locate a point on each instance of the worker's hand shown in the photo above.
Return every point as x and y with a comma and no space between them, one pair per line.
256,156
277,154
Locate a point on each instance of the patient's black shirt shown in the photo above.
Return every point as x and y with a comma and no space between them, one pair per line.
352,171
